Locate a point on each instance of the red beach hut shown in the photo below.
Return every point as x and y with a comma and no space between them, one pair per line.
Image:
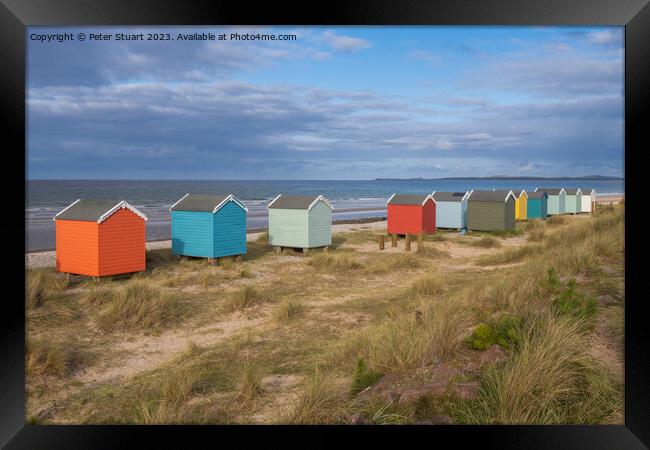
100,238
413,214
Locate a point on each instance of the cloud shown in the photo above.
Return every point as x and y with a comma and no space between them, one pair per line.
606,37
344,43
185,111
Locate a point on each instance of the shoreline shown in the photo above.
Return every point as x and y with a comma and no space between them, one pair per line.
160,242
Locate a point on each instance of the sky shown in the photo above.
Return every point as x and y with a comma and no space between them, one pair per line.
335,103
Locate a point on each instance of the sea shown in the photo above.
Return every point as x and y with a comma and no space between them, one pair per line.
350,199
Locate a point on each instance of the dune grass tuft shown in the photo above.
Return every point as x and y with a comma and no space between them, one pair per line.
556,220
508,256
426,286
139,305
288,310
333,263
52,359
321,402
246,297
250,381
486,242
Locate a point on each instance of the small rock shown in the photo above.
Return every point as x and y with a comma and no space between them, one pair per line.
440,420
606,300
359,419
467,391
444,373
493,354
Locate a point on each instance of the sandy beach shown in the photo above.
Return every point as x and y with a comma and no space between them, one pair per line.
48,258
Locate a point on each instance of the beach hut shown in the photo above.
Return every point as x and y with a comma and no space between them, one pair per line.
537,205
573,200
411,213
588,200
451,209
300,221
556,200
521,206
208,226
491,210
100,238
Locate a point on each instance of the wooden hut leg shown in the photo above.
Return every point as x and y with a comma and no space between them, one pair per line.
393,240
326,249
211,261
408,242
278,249
238,258
305,251
381,242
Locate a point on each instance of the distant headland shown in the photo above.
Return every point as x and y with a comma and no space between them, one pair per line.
503,177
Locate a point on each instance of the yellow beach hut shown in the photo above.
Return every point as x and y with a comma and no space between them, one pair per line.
521,206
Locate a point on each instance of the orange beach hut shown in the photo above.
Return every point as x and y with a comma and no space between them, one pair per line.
100,238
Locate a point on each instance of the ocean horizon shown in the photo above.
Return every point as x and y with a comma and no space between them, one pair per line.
351,199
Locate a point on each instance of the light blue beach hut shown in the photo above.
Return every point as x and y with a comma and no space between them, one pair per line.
451,209
208,226
556,200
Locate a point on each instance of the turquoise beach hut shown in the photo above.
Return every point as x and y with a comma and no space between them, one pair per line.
573,201
556,200
208,226
537,205
300,221
451,209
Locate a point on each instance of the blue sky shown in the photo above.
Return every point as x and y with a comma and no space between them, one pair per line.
336,103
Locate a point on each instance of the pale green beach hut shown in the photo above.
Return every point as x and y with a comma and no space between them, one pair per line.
573,200
300,221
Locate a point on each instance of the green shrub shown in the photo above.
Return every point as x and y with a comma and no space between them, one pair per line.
566,299
363,377
505,331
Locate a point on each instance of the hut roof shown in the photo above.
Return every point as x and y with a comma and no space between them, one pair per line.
204,202
409,199
552,191
588,191
523,192
458,197
572,191
297,202
491,196
537,194
94,210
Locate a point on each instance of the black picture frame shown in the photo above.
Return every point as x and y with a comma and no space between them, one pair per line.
16,15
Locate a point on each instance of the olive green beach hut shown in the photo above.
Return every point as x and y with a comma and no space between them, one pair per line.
300,221
491,211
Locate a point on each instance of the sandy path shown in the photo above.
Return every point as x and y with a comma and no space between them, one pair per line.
147,352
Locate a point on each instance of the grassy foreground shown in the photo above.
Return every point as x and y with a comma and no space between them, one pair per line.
519,328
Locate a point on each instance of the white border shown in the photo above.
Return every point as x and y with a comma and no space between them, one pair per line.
320,198
120,205
272,201
182,198
66,208
230,198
